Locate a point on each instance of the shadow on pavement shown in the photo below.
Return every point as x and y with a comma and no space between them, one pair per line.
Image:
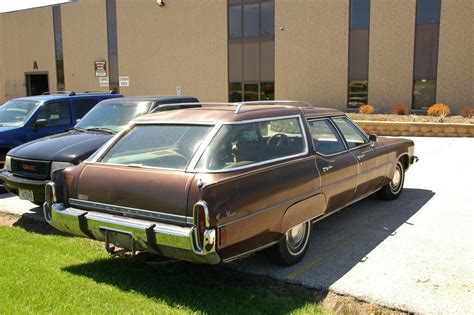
344,239
338,244
203,288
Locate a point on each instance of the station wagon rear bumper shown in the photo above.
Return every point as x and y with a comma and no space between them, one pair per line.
160,238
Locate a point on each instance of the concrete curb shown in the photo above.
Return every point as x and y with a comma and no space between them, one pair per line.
419,129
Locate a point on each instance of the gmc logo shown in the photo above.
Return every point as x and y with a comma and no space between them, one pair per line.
27,167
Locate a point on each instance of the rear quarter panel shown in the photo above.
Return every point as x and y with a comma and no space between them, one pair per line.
250,206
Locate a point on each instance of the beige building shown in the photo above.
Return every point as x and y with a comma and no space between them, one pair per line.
335,53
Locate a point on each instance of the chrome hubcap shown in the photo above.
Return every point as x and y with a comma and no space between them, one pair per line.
397,179
295,237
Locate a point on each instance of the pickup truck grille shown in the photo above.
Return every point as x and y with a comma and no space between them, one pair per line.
31,169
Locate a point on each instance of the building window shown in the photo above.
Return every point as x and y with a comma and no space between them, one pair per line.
251,49
358,52
58,48
251,91
426,53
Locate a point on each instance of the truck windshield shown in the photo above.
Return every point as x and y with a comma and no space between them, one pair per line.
112,116
162,146
15,113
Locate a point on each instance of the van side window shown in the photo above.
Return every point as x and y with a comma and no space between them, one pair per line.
84,106
325,137
56,113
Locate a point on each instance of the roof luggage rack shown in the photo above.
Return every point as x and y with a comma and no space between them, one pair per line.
73,93
100,92
69,93
239,105
276,102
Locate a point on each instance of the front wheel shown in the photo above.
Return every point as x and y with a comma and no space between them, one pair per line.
292,248
393,189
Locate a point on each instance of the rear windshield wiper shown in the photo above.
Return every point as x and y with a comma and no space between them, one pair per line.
107,130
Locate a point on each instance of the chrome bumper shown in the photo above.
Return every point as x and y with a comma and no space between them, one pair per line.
160,238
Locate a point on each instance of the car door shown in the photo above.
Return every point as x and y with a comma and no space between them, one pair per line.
337,166
58,117
371,161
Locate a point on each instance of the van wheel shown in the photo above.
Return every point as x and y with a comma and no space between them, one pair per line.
292,248
393,190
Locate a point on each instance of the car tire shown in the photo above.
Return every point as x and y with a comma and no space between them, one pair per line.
293,246
393,189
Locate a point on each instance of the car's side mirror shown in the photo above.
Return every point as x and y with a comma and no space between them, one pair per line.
373,138
40,123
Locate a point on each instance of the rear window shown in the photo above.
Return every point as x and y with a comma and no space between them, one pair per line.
161,146
242,145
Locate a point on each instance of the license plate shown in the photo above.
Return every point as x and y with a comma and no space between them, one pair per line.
120,239
26,194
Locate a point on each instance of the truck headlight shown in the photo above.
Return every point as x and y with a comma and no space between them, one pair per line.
8,163
59,166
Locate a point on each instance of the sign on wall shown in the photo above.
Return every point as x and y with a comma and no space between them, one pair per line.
124,81
104,82
100,69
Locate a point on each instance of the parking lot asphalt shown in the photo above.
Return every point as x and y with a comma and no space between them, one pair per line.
415,253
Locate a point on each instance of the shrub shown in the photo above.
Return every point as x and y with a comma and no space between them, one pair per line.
439,110
467,112
366,109
400,109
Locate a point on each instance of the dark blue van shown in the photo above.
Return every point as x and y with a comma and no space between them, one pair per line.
29,118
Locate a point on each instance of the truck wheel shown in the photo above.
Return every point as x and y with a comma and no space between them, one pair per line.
292,248
393,190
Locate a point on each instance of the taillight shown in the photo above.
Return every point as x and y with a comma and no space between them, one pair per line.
201,225
201,221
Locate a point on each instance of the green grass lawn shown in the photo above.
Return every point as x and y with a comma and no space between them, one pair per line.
48,273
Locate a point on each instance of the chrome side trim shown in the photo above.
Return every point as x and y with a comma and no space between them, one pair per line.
131,211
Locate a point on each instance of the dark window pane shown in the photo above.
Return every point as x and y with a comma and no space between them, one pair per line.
251,61
235,21
428,11
235,92
424,94
235,61
426,51
267,60
268,19
267,91
357,93
250,92
360,14
57,114
359,55
83,107
251,20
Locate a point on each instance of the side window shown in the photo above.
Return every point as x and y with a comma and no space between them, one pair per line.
57,113
237,145
352,135
83,106
325,137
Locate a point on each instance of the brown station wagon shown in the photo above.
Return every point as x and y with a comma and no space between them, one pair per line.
216,183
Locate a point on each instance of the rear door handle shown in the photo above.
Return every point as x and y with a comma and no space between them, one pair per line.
327,168
360,157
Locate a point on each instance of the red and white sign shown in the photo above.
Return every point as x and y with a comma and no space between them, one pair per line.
100,69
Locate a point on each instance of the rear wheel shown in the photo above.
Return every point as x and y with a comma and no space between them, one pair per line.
292,248
393,189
